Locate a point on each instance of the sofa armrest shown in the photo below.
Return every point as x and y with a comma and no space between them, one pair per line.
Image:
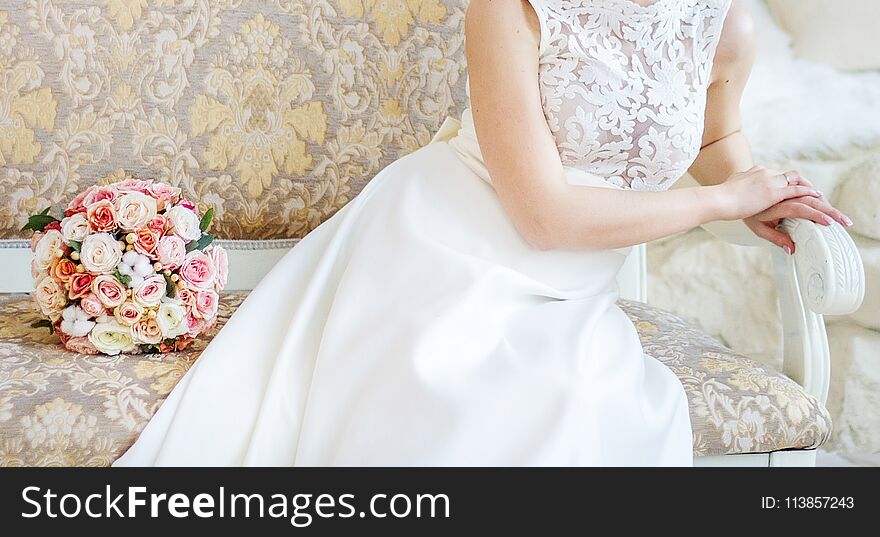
825,276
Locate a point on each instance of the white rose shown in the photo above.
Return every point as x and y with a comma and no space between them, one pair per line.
134,210
51,245
172,319
112,338
75,227
75,322
50,297
100,253
184,223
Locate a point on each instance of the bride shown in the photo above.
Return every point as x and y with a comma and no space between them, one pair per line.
461,310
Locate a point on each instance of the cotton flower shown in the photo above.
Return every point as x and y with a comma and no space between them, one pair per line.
75,322
136,266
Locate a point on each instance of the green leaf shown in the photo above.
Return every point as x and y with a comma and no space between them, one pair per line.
44,323
206,219
200,244
38,222
171,286
76,245
123,279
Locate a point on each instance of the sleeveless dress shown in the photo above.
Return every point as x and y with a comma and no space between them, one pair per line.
416,327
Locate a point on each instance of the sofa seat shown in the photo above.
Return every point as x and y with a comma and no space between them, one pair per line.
58,408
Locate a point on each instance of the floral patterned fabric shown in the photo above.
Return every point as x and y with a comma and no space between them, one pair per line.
274,112
65,409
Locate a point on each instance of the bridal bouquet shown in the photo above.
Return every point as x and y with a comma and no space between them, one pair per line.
130,268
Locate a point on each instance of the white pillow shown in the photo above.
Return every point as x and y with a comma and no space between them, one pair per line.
841,33
858,196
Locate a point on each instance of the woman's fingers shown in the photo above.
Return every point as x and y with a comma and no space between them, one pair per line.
769,233
796,191
822,204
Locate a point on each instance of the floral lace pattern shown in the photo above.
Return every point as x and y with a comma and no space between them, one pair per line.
624,85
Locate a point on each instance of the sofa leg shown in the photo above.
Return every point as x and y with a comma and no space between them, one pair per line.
799,458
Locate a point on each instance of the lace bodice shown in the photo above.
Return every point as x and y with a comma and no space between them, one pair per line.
624,85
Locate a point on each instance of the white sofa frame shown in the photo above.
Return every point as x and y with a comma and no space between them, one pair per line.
806,355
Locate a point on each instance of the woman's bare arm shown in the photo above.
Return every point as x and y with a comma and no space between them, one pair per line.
726,150
526,170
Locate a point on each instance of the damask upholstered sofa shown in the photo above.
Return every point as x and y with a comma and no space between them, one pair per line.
276,113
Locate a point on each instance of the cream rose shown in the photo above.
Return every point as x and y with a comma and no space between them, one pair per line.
111,338
172,319
100,253
50,297
151,291
147,331
75,227
184,223
134,210
51,245
171,251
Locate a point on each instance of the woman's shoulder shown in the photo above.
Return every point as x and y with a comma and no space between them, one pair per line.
737,43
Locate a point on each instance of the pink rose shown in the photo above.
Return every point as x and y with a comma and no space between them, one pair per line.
195,325
91,305
145,241
100,194
151,291
221,264
189,204
198,270
76,204
35,239
164,192
171,251
128,313
101,216
133,185
109,290
80,285
206,304
80,345
158,224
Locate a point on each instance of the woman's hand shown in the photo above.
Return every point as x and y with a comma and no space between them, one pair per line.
816,209
749,193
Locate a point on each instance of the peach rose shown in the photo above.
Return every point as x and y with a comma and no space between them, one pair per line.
76,204
151,291
80,284
145,241
100,193
80,345
158,224
101,216
50,247
178,344
50,297
75,227
171,251
146,331
221,264
186,296
184,223
134,210
62,269
128,313
100,253
36,273
35,239
198,270
109,290
206,304
92,305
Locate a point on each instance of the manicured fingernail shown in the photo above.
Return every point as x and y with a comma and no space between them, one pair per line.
828,220
847,220
787,249
820,193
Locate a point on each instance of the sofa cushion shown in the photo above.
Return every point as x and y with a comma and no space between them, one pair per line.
274,113
59,408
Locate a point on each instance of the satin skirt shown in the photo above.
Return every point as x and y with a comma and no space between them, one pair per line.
416,327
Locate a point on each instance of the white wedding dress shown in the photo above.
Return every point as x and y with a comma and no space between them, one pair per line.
416,327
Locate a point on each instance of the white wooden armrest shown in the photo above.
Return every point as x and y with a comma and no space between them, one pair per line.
825,276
